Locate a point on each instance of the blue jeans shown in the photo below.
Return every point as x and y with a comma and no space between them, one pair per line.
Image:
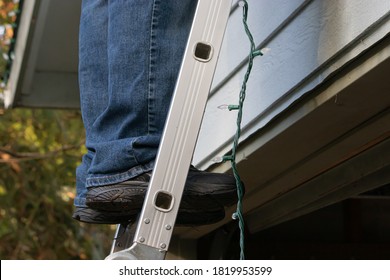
130,53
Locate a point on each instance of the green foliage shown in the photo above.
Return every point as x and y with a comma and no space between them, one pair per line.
9,13
39,152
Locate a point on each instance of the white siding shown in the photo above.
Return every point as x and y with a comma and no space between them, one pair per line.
308,41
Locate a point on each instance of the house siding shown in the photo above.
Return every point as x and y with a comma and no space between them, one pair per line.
307,41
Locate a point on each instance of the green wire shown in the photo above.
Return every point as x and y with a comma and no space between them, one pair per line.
240,189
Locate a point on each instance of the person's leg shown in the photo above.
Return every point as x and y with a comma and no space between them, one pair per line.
145,41
114,74
119,136
93,79
125,95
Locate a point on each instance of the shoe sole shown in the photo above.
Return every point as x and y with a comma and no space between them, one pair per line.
120,198
184,218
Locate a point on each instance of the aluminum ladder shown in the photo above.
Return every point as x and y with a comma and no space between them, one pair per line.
148,238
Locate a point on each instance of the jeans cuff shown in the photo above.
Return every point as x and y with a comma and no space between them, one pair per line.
102,180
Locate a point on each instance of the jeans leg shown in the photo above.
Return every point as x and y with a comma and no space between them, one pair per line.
145,41
93,78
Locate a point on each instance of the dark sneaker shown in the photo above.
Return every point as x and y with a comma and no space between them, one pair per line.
203,191
184,218
126,196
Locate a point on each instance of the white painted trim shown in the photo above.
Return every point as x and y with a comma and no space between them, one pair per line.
20,50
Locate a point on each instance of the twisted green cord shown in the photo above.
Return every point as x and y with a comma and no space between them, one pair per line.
240,190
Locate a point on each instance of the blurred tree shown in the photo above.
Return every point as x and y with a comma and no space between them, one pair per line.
39,151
